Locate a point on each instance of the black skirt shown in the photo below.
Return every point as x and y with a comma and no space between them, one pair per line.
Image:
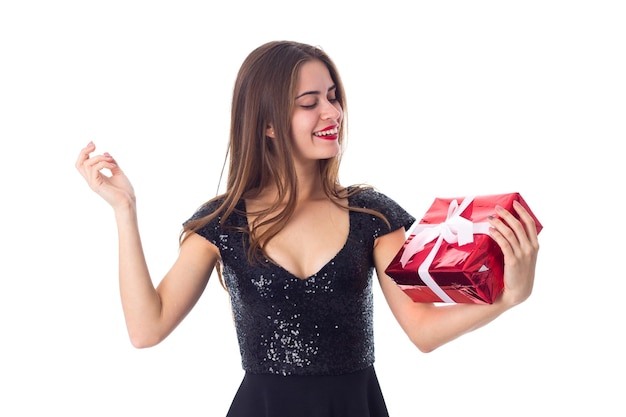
356,394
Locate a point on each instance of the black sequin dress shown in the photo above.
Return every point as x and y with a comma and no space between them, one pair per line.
307,345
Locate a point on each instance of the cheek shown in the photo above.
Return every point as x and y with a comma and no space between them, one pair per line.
302,123
299,130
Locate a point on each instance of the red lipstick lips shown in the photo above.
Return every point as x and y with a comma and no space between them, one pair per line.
328,133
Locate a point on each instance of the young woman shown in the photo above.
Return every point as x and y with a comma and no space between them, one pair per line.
295,249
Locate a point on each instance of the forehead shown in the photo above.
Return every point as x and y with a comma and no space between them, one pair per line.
314,75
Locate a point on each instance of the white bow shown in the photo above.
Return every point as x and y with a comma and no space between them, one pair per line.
455,229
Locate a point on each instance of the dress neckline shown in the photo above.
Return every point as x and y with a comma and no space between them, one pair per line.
325,266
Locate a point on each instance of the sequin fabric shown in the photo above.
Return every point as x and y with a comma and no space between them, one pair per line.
321,325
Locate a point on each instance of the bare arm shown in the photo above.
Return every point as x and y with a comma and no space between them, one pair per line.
151,313
428,325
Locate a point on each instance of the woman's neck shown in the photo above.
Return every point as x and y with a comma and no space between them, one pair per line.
310,187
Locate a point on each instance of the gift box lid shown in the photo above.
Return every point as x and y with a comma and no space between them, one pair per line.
479,209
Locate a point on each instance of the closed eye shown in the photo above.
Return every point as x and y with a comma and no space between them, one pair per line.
331,97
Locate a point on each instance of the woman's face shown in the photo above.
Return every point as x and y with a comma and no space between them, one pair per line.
317,114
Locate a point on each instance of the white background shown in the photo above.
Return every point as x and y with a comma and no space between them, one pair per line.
445,99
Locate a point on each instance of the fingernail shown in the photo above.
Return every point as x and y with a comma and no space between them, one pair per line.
490,217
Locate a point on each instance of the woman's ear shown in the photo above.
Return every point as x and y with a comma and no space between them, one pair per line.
269,131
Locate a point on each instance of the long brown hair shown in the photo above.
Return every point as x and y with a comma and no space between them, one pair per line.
264,95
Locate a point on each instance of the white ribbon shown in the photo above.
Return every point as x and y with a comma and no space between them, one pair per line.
455,229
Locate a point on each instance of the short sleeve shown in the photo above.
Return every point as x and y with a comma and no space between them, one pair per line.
212,230
397,216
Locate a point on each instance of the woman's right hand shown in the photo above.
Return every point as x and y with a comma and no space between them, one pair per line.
115,189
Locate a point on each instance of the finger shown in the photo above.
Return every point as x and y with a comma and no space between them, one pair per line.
94,164
92,170
511,236
526,239
529,223
114,166
508,226
504,237
83,155
97,159
501,240
95,177
95,168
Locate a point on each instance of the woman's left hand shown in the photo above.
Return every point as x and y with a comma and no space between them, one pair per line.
519,244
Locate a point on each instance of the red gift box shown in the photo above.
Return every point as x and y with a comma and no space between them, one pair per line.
450,257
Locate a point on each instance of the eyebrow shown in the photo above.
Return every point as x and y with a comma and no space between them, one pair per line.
334,87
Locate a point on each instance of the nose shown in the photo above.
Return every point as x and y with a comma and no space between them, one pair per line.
331,111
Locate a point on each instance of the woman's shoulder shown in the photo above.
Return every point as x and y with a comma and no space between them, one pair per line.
211,220
208,208
370,198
